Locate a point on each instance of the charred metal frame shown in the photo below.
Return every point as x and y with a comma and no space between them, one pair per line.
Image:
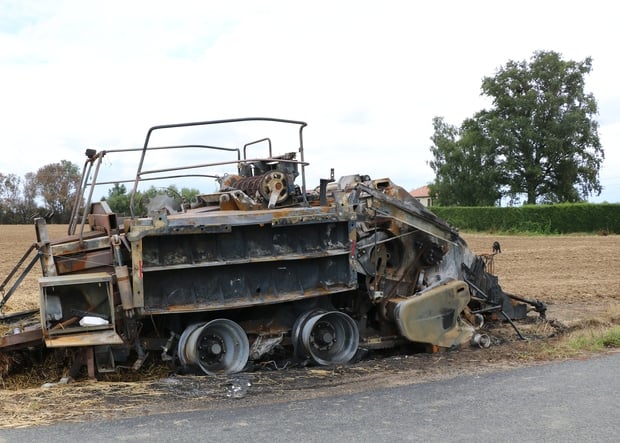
140,172
260,263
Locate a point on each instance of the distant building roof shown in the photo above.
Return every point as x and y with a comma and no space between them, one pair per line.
421,192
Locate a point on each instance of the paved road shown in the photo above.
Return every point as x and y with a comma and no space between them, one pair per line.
577,401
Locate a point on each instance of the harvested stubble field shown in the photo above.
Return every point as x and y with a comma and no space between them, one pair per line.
577,276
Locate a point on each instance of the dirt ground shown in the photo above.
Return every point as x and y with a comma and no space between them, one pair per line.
577,276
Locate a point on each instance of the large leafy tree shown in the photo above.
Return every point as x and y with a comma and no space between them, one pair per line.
543,125
465,167
57,184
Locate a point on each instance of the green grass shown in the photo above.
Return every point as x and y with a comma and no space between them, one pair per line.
594,340
590,340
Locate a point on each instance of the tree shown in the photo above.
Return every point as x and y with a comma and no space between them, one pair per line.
189,195
17,199
118,199
57,184
29,196
9,194
542,123
466,173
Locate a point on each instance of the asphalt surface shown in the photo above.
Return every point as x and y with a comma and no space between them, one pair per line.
574,401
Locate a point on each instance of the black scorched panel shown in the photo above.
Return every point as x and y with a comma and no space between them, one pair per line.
250,265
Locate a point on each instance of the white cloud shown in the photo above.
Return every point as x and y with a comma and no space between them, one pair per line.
368,77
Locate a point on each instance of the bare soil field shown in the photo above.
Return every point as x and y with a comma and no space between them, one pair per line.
14,242
577,276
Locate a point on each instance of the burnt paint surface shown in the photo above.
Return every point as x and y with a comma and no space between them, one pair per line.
250,265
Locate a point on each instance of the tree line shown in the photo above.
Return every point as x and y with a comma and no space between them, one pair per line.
51,193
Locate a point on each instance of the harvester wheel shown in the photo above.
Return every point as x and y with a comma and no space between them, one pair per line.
328,338
220,346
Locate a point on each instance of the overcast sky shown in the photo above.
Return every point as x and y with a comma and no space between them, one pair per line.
367,76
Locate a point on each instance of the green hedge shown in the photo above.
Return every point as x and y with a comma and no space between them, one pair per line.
543,219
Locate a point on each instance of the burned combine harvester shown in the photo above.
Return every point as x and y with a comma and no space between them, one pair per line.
262,266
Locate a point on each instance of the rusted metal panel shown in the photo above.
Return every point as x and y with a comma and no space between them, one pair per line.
84,261
75,279
21,339
103,222
93,338
47,259
213,221
136,273
73,245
